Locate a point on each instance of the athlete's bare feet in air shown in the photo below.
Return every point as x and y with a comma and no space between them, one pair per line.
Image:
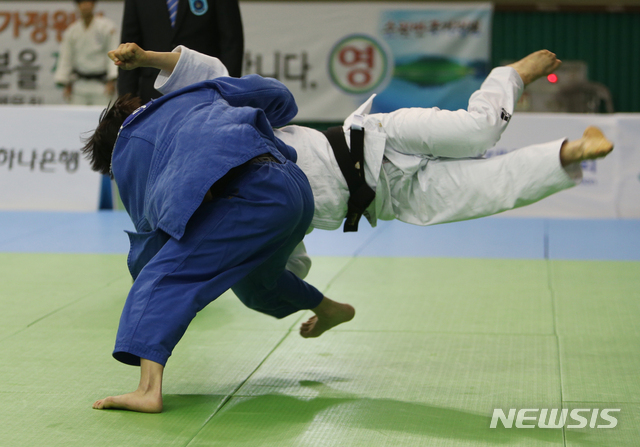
328,314
536,65
593,144
146,399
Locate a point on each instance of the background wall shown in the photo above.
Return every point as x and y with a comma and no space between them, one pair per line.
605,34
608,42
606,37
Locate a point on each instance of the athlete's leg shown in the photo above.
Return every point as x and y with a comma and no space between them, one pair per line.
225,240
464,133
443,191
146,399
278,292
89,92
592,145
328,314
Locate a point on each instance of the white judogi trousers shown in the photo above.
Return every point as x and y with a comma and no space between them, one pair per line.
89,93
433,171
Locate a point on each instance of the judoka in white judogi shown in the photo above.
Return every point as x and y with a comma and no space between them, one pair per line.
83,66
422,163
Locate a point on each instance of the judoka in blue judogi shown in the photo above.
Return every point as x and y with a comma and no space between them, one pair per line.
185,253
217,203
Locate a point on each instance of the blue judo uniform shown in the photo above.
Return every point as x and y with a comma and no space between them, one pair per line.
186,253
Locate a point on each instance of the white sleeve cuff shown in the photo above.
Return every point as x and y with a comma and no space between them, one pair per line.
192,67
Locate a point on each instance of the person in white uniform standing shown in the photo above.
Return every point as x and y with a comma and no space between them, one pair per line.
84,71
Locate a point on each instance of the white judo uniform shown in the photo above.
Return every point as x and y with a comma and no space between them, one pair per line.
424,164
83,50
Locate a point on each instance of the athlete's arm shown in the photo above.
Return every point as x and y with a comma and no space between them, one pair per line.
178,69
130,56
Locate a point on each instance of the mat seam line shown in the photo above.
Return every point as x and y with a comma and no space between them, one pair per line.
362,246
555,318
60,308
229,396
352,259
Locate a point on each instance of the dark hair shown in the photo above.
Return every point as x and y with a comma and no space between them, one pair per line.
99,146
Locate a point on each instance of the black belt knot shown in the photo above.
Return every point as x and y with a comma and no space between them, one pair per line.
351,165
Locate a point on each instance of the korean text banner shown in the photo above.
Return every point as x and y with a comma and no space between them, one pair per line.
41,166
333,56
30,36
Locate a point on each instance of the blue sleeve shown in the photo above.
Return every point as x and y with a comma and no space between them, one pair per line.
266,94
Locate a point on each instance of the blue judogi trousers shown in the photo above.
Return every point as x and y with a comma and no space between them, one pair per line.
241,240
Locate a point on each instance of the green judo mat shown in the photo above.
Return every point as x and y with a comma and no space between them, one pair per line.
436,347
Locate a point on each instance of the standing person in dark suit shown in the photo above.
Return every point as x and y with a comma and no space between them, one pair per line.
212,27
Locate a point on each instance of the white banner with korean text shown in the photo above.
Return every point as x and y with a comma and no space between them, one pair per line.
332,56
30,36
610,187
41,167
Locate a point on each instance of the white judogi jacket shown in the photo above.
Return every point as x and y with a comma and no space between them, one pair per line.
402,149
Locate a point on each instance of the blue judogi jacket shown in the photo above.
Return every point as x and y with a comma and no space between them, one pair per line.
172,150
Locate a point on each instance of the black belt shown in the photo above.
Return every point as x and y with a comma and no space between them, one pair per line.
92,76
352,167
218,187
263,159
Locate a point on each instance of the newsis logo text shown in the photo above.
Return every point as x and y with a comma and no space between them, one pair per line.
555,418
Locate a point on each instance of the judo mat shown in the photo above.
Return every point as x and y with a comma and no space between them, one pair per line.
452,323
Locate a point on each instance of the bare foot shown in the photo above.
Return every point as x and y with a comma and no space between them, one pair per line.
327,315
534,66
146,399
592,145
136,401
